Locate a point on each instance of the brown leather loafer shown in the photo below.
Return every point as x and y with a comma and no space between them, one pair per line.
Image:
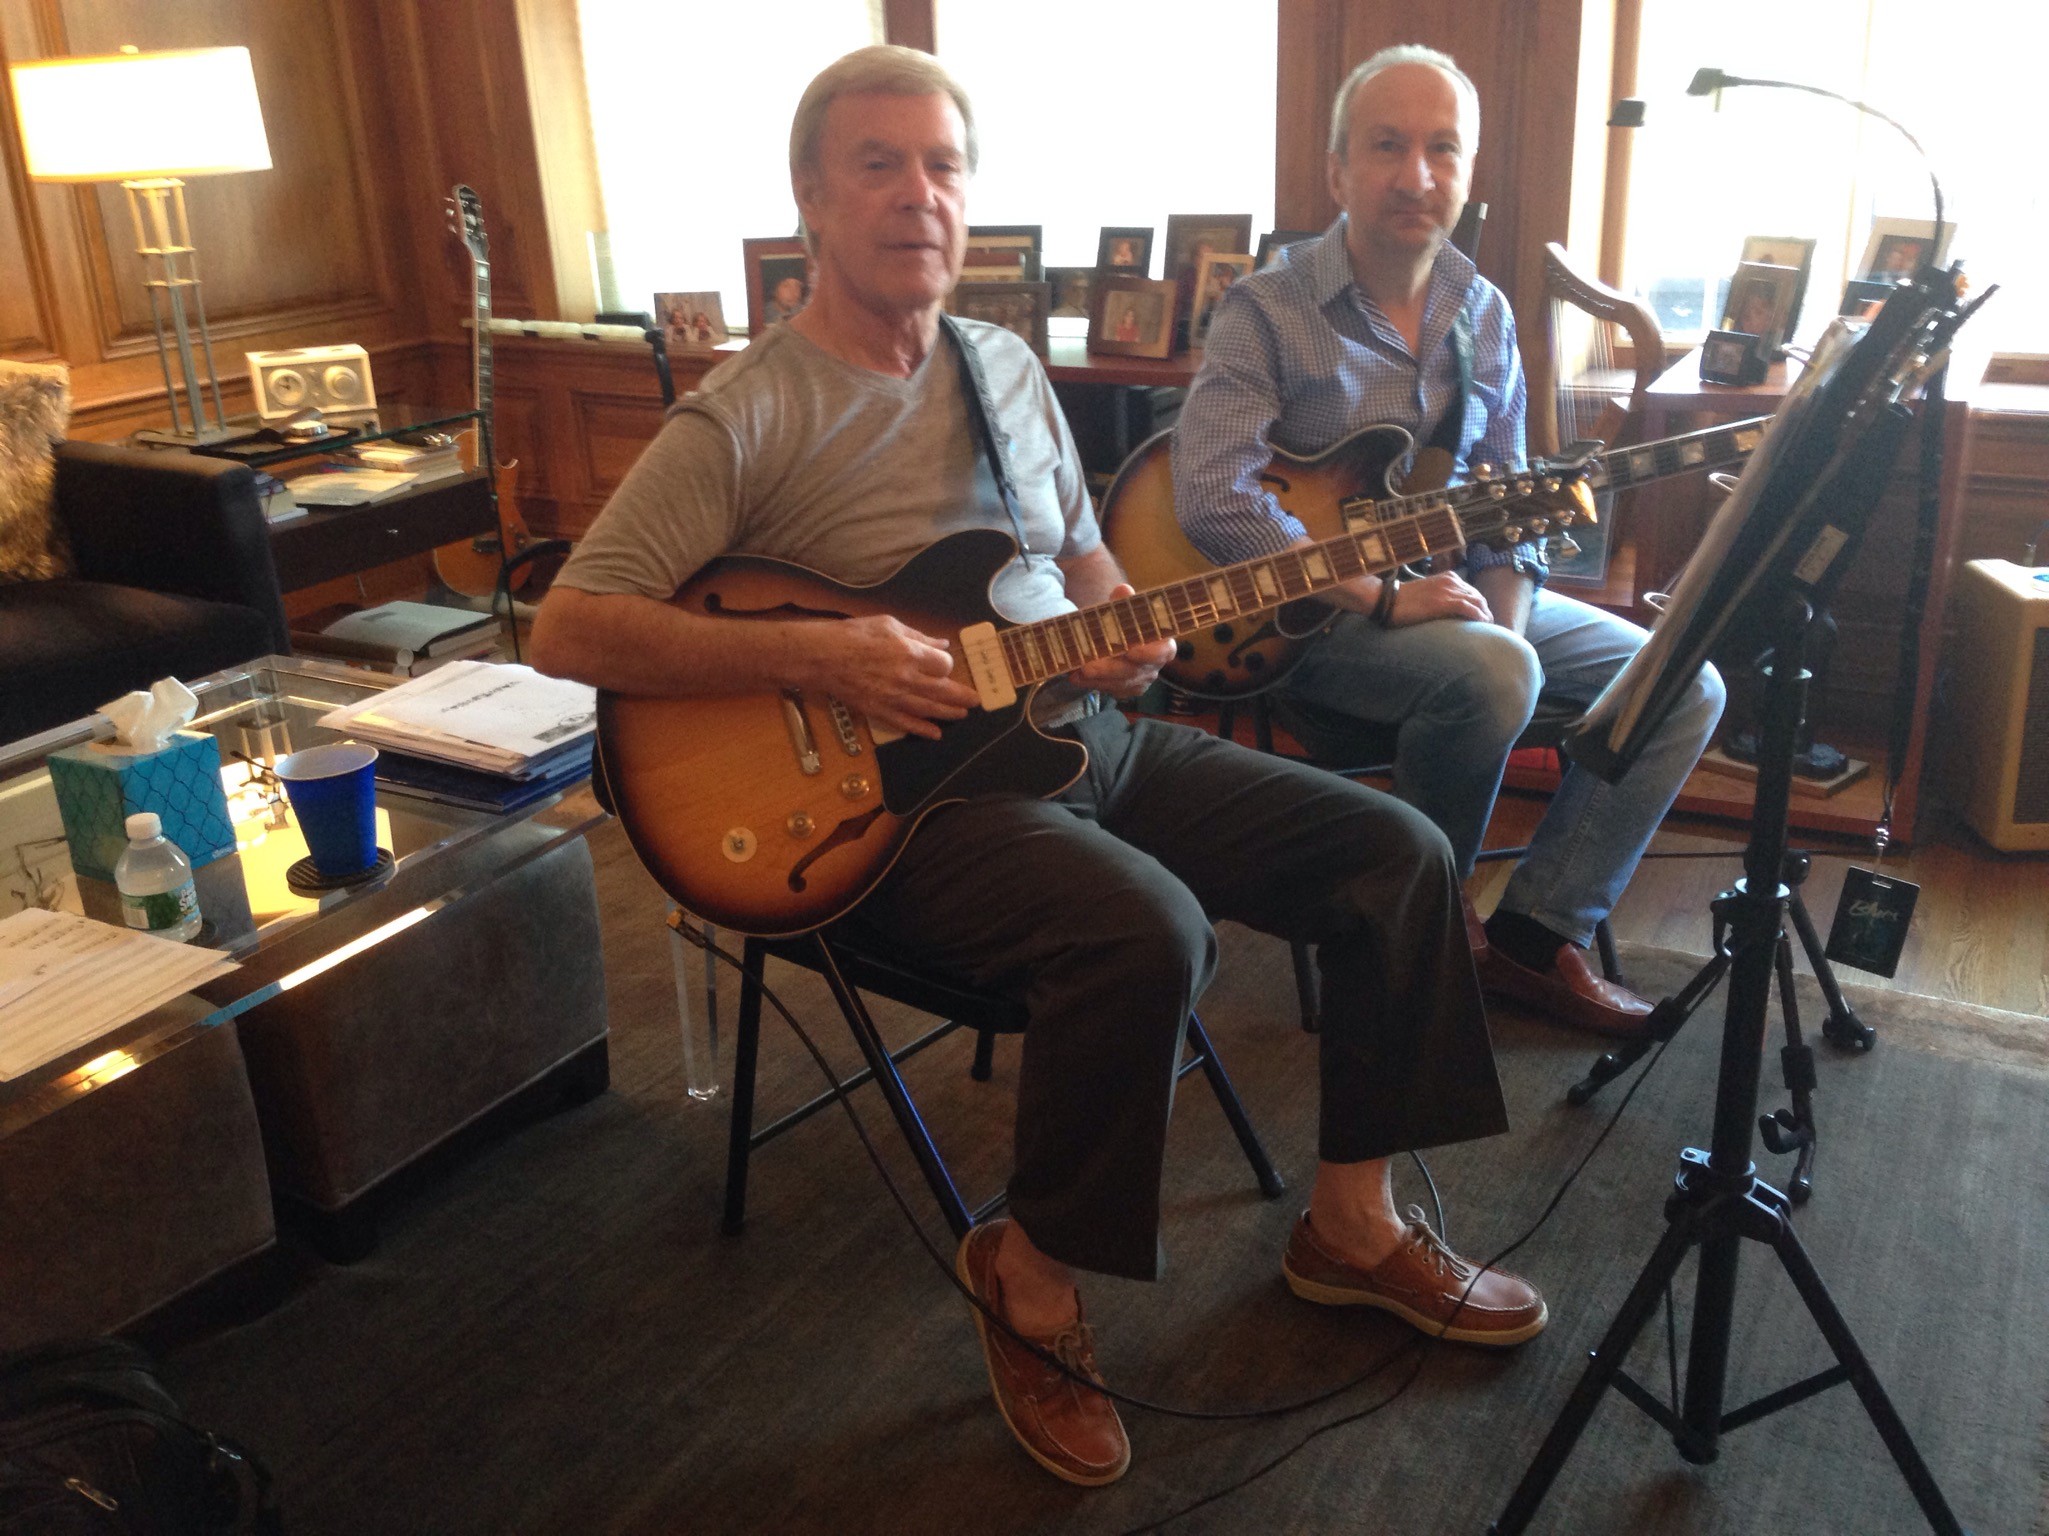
1572,992
1423,1283
1067,1429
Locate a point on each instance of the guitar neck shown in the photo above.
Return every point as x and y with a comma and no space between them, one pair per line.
480,343
1447,522
1403,531
1713,448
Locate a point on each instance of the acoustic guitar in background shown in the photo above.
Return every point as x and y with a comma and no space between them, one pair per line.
475,566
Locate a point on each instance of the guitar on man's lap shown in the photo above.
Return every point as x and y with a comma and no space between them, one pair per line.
773,812
1348,485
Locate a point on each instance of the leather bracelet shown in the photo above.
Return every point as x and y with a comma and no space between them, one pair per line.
1383,606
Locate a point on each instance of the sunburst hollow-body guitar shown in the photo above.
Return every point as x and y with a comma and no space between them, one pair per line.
773,812
1348,487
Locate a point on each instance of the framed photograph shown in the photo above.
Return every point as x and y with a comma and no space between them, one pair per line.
1213,279
1274,241
1019,307
1761,304
1862,300
1192,236
1071,287
1125,249
1784,251
1732,357
1898,248
778,280
1001,253
1134,316
691,322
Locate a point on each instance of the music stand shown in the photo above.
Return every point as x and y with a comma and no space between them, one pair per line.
1775,550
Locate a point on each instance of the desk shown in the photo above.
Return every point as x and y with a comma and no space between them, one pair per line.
343,541
1069,361
1854,711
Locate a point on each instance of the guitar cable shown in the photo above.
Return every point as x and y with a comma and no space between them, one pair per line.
1421,1343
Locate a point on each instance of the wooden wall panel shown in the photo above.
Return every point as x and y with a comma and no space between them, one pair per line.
313,251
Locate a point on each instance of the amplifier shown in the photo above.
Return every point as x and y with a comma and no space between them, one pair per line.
2001,671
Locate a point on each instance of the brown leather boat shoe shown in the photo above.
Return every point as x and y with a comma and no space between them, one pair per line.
1572,992
1067,1429
1423,1283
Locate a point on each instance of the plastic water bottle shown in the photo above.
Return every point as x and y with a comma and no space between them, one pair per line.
155,881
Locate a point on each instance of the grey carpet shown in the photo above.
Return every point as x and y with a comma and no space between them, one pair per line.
554,1337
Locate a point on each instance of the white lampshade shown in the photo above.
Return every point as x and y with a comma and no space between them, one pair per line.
127,116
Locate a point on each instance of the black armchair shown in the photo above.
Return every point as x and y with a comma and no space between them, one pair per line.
173,578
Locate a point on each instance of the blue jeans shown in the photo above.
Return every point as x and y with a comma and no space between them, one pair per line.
1461,692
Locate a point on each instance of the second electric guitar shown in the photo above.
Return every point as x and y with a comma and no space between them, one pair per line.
1346,486
772,813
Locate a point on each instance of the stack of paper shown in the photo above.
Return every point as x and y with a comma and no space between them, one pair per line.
347,487
66,980
502,719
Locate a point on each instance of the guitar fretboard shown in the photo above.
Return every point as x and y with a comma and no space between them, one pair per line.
1622,468
1403,530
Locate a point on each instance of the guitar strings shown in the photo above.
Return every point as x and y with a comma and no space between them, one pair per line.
1421,1344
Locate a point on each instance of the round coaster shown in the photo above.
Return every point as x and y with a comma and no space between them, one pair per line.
307,880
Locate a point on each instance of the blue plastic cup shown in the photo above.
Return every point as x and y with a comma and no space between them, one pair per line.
333,793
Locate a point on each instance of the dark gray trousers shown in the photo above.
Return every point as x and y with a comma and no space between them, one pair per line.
1096,906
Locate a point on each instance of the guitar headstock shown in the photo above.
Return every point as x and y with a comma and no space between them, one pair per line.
1504,508
466,218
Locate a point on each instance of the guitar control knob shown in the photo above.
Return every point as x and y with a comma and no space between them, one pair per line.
800,825
738,844
854,786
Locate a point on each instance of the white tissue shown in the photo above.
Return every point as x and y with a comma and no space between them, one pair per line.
144,722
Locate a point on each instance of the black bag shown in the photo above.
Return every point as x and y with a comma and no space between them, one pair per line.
91,1444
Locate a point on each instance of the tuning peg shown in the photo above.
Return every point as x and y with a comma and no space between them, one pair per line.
1563,547
1512,534
1484,471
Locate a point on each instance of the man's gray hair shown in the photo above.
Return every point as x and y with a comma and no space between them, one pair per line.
1386,59
885,70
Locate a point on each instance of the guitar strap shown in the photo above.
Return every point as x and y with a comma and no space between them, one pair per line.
1452,425
982,419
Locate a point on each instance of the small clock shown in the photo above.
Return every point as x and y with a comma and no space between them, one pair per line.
1731,357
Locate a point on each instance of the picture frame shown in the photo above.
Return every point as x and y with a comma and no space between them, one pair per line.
1190,236
1071,289
1132,316
1793,251
1125,248
1732,357
1017,306
1274,241
1760,303
1213,279
1896,248
1002,253
691,322
1862,300
773,264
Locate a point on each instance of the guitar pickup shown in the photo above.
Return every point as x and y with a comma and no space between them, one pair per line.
982,649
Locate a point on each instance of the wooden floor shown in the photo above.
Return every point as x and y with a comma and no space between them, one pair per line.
1981,927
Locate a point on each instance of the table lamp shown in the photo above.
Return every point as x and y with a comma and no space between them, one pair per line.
149,120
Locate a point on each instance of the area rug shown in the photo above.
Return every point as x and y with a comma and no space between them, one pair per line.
555,1337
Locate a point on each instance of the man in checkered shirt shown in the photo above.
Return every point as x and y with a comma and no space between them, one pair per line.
1358,328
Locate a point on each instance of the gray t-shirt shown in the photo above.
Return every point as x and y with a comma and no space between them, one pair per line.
789,451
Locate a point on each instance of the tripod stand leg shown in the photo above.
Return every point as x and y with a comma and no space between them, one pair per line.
1842,1026
1884,1417
1602,1369
1793,1130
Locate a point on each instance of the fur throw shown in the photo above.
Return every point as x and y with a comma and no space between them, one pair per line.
35,407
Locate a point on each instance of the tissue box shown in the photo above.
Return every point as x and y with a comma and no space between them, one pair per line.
100,787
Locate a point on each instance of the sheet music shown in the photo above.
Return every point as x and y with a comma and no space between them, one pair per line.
65,980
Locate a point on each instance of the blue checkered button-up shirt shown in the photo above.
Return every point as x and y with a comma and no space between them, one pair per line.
1298,358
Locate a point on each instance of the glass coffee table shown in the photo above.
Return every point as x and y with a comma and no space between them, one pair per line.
278,936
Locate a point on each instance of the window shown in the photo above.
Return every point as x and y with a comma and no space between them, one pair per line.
690,110
1095,112
1782,163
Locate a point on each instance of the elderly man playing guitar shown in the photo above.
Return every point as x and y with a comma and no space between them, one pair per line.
845,442
1382,321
